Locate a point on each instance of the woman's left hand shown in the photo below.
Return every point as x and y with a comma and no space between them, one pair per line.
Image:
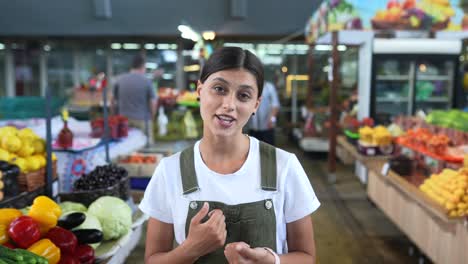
241,253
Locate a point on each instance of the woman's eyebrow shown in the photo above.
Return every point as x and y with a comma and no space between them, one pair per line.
221,80
245,86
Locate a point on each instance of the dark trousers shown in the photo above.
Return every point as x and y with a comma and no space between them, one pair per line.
267,136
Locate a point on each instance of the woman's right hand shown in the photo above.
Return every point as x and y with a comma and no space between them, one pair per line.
204,238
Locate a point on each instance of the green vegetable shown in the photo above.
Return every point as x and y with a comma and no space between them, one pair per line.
7,253
91,222
72,206
114,214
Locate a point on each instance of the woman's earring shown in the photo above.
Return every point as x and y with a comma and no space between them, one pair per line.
253,113
198,99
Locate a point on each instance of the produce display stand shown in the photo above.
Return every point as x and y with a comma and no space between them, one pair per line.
442,239
426,223
116,251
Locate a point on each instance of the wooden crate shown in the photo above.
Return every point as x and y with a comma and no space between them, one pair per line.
426,223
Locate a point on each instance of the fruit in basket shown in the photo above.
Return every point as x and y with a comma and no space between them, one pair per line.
449,190
21,163
26,149
11,143
4,155
39,146
33,163
365,134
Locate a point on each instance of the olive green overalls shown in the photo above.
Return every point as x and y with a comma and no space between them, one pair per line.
254,223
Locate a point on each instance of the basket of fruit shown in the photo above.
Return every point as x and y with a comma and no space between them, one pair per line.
108,180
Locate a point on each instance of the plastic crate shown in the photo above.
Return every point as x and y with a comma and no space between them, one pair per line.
120,189
22,200
139,183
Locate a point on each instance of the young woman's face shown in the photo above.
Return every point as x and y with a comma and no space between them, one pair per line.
227,100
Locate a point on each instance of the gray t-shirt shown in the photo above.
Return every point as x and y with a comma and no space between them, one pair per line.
269,100
132,93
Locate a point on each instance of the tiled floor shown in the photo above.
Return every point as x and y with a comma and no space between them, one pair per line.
348,227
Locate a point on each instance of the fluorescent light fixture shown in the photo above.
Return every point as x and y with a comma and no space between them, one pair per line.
173,46
163,46
116,46
2,46
321,47
131,46
192,68
151,65
184,28
209,35
150,46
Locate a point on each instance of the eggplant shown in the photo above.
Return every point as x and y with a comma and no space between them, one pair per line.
88,236
4,165
72,220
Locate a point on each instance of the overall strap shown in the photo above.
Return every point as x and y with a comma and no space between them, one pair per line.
268,166
187,171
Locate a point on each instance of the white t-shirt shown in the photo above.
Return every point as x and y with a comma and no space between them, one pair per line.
294,198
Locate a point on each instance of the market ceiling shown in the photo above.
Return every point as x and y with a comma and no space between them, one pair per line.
154,18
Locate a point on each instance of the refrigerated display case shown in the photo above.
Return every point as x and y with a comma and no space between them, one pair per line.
407,83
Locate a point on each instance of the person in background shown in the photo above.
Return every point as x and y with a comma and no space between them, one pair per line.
262,124
229,198
134,97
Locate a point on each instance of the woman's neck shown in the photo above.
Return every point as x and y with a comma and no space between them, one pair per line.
223,155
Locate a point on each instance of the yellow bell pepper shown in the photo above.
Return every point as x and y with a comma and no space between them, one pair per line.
7,215
45,248
46,212
3,234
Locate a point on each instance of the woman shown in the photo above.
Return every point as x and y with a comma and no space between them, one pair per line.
230,198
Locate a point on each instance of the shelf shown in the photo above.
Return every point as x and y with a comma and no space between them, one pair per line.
433,78
392,100
434,100
392,78
405,100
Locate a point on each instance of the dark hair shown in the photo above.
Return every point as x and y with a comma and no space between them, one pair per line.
233,58
138,61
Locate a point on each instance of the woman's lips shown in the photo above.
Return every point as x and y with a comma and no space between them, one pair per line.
225,121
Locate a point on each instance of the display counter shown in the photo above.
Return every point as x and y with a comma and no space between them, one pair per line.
426,223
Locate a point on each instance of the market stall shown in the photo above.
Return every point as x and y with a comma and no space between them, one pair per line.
408,61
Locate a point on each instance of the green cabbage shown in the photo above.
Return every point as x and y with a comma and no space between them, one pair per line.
114,214
72,206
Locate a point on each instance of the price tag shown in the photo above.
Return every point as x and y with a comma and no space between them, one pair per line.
407,152
385,169
370,152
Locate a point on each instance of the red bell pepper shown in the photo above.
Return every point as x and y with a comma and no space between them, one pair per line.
64,239
68,259
85,254
24,231
9,245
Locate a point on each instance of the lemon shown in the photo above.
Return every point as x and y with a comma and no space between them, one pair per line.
21,163
26,149
32,163
4,155
42,160
11,143
8,131
39,146
26,133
